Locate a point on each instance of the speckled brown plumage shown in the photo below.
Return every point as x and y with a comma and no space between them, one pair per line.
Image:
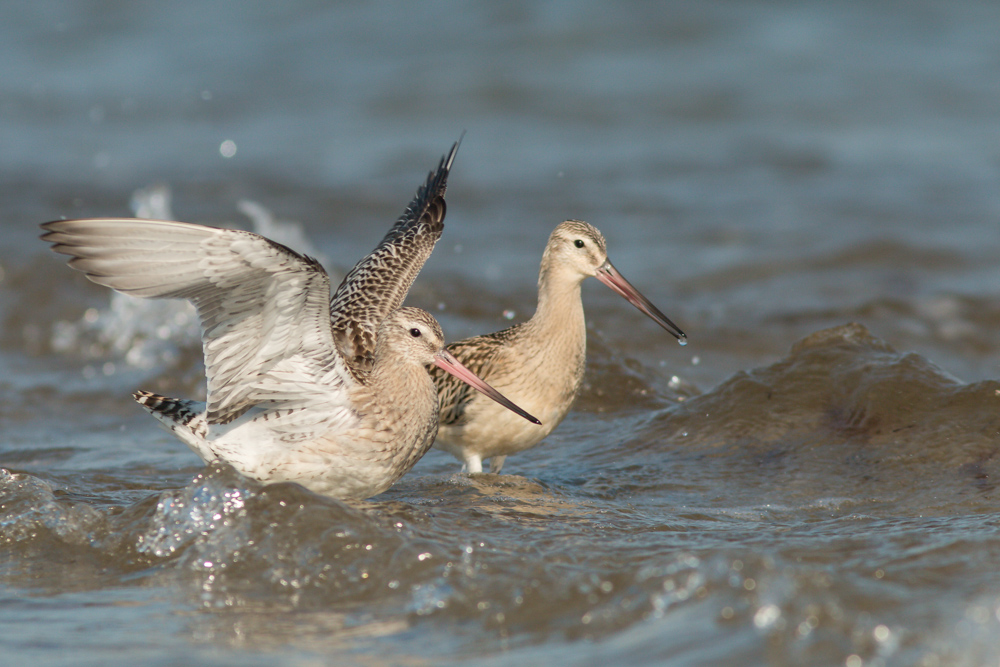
479,355
378,284
283,401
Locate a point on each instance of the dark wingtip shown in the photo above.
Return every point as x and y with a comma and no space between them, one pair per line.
50,228
448,160
431,193
435,186
437,181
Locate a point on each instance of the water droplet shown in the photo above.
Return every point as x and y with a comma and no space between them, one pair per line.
766,616
509,314
227,148
683,341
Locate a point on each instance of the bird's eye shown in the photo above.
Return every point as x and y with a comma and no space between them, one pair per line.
415,332
578,243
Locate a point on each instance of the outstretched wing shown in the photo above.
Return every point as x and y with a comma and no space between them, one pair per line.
264,308
378,284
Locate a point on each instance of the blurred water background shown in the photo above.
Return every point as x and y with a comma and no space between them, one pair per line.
810,190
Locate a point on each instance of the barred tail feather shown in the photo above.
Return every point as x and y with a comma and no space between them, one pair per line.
182,417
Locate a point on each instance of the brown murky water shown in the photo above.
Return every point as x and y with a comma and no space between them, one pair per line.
810,192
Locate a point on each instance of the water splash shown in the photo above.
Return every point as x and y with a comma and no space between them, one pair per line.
286,232
31,511
205,510
149,333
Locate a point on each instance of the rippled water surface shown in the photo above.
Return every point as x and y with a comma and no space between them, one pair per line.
810,191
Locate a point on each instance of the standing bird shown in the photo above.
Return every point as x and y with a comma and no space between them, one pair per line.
331,393
538,363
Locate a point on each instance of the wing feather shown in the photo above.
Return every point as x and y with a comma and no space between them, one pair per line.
378,284
264,309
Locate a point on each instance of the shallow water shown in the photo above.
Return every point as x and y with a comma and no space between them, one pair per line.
809,191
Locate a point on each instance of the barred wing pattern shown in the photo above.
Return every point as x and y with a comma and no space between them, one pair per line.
264,308
378,284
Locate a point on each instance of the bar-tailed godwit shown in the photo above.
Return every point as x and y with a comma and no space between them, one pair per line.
538,363
285,402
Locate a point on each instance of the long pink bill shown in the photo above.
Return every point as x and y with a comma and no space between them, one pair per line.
609,275
449,363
